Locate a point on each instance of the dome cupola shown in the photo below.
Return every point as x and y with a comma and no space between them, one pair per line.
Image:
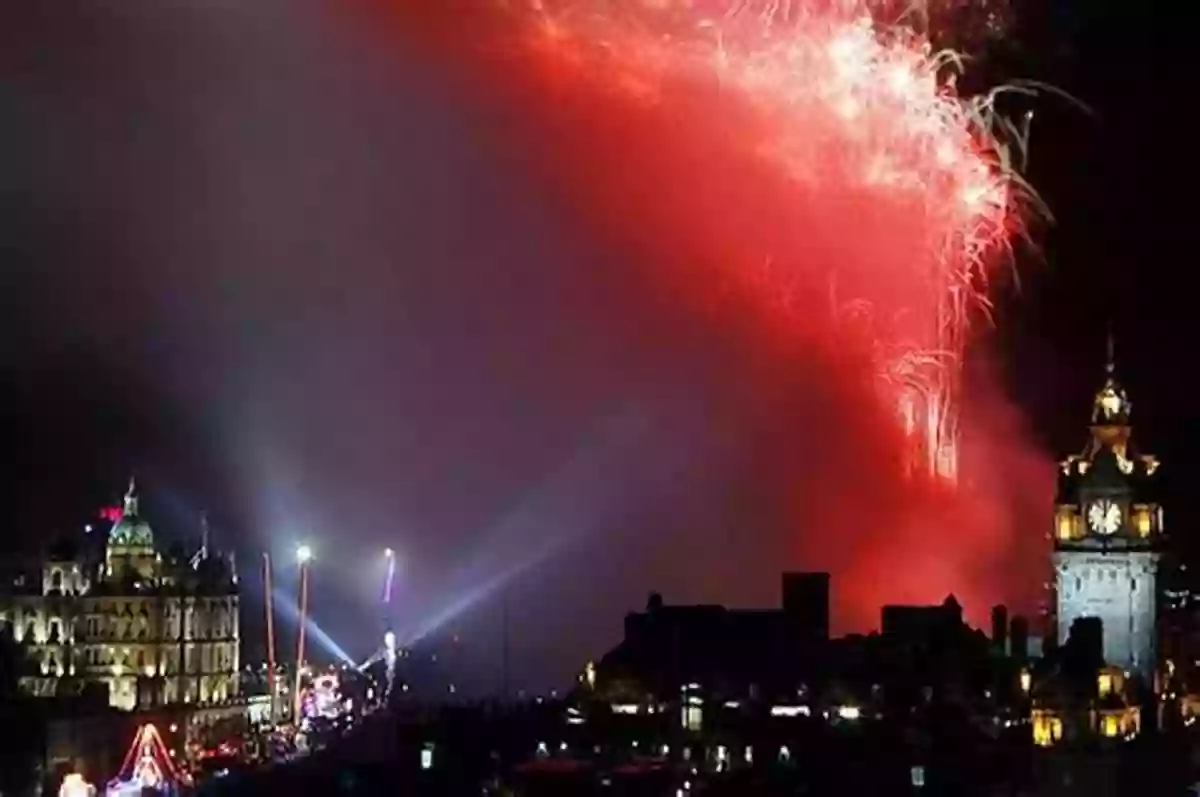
131,530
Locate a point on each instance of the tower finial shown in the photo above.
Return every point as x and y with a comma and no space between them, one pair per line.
131,501
1110,363
1111,405
204,534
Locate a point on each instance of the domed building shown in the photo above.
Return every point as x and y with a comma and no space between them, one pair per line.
151,629
130,549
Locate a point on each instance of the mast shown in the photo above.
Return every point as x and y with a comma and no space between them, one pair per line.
269,601
389,636
303,555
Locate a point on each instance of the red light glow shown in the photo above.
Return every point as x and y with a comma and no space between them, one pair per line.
802,165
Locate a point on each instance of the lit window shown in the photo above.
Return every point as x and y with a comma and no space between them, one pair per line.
1065,525
1111,726
1047,729
1142,519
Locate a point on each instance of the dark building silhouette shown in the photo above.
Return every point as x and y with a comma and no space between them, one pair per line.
741,650
926,626
1085,643
1000,629
806,604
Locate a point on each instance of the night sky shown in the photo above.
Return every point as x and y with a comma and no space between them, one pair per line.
298,284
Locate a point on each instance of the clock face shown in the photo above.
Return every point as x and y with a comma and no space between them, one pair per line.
1104,517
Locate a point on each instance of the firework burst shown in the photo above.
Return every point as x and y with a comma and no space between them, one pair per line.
860,113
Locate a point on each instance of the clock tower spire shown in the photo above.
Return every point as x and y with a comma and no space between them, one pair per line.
1111,407
1108,533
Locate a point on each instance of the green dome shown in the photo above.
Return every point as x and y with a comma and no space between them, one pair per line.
131,530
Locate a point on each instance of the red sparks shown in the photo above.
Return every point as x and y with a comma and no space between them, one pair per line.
865,127
800,153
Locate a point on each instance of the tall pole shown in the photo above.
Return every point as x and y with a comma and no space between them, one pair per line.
303,556
389,636
504,653
268,588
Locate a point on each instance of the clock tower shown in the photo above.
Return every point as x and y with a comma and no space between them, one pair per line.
1108,536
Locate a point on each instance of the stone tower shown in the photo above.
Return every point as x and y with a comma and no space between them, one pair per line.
1108,536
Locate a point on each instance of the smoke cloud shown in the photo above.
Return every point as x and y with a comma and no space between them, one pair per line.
668,184
367,280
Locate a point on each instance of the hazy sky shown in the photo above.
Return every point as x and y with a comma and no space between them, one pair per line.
302,284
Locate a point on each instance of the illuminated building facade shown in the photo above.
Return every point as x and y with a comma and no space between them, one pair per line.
152,630
1108,537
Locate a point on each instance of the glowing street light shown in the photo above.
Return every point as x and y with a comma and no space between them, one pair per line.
268,591
304,555
389,558
389,637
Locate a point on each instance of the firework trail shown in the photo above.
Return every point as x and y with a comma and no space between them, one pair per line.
864,120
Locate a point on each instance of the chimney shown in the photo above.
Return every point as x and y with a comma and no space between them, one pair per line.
1000,629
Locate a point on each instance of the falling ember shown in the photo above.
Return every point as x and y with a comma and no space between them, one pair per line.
865,121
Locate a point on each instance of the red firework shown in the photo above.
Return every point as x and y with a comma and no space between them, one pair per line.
816,157
865,123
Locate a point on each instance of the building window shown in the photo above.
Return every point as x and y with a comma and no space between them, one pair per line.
1111,726
1047,729
1066,525
1143,522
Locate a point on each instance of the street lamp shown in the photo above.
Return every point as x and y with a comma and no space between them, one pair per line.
389,636
304,555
